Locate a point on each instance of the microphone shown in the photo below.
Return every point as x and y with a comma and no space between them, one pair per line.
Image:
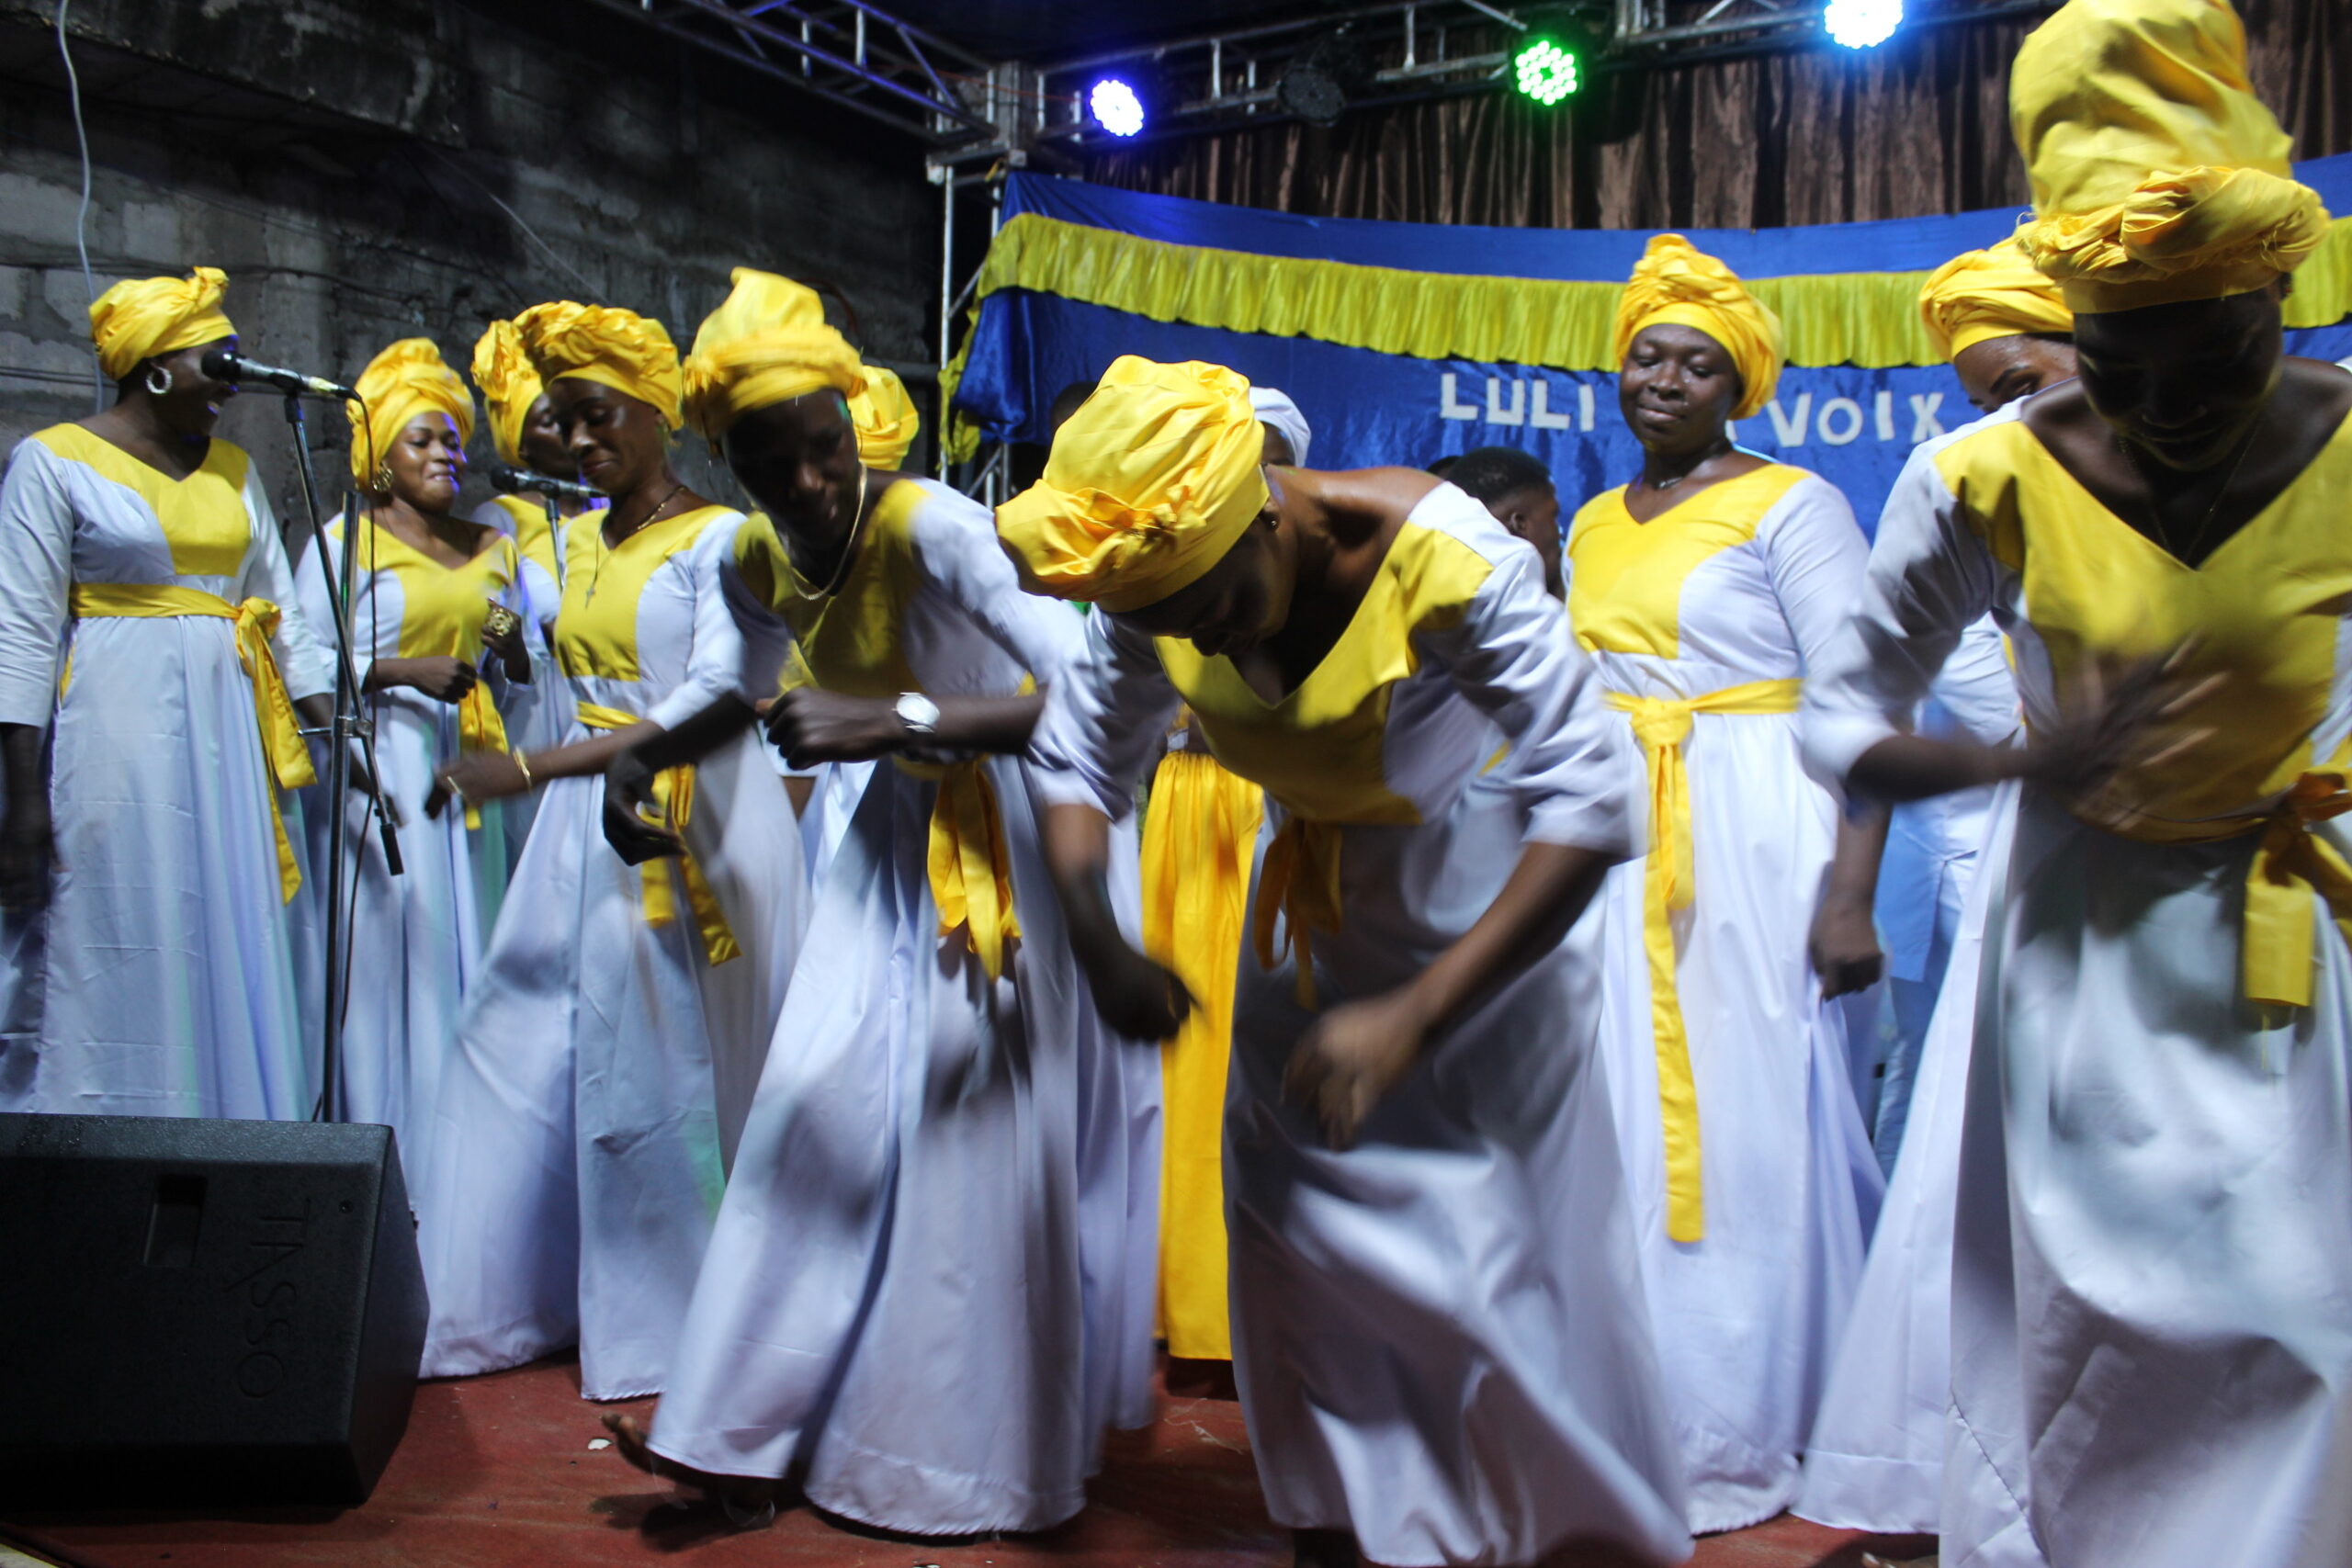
228,364
508,479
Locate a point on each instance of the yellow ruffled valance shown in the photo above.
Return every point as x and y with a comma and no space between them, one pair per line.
1869,319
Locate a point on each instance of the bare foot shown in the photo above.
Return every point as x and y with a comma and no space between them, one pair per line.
749,1500
1324,1548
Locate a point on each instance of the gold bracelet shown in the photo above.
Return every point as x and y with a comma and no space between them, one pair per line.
523,766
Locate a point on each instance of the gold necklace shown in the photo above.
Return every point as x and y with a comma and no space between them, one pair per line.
1724,450
603,549
849,546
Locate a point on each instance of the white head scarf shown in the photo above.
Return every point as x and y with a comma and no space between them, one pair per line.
1276,409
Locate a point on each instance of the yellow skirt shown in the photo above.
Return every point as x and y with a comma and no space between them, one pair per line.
1199,834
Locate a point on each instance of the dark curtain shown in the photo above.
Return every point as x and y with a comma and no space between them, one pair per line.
1916,126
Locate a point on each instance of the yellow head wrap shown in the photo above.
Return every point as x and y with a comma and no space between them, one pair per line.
1988,294
1677,283
409,377
1146,489
886,419
608,346
142,317
2158,176
766,342
509,386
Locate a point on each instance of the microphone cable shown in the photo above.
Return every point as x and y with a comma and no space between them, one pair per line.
82,218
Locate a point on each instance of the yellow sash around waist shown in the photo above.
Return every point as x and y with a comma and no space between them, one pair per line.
673,794
1662,725
281,732
479,727
971,869
1299,878
2291,864
2294,862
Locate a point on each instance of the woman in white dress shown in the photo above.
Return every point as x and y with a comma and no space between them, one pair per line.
424,586
826,795
524,433
2152,1268
152,661
901,1313
2007,333
1436,1317
1705,591
584,1122
1875,1460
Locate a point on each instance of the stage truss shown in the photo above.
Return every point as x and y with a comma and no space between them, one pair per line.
977,119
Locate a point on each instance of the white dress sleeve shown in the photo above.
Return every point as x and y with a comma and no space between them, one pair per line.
523,599
318,610
716,665
1814,553
1571,768
1929,579
306,663
765,636
956,549
36,581
1977,688
541,595
516,597
1103,720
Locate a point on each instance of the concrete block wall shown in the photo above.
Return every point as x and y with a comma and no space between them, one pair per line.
366,170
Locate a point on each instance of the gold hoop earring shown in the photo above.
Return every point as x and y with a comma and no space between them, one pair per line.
152,372
383,479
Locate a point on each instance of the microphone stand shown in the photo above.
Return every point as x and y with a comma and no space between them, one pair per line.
350,724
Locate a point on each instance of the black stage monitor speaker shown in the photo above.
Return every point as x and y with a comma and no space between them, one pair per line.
202,1313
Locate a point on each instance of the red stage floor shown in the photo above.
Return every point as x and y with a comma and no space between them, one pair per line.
497,1472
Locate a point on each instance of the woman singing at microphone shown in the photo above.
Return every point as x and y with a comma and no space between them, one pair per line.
432,594
149,635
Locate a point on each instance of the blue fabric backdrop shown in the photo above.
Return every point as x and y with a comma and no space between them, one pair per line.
1854,426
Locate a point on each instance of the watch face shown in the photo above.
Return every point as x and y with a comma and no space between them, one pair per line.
919,712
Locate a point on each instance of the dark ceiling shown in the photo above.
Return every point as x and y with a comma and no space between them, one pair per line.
1055,30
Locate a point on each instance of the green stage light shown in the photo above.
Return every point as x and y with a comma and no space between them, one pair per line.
1546,72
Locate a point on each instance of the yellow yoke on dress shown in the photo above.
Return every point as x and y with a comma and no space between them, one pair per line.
853,642
442,611
2265,611
1319,751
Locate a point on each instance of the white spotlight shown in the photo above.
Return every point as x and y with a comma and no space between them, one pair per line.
1116,107
1862,24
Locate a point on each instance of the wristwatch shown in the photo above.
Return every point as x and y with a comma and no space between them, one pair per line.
918,714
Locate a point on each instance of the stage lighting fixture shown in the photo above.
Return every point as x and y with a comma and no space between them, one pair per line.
1319,82
1311,92
1547,73
1862,24
1117,108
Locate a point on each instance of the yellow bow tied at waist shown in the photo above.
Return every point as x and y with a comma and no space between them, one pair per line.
1300,877
972,869
673,794
281,732
2293,863
1662,725
479,727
